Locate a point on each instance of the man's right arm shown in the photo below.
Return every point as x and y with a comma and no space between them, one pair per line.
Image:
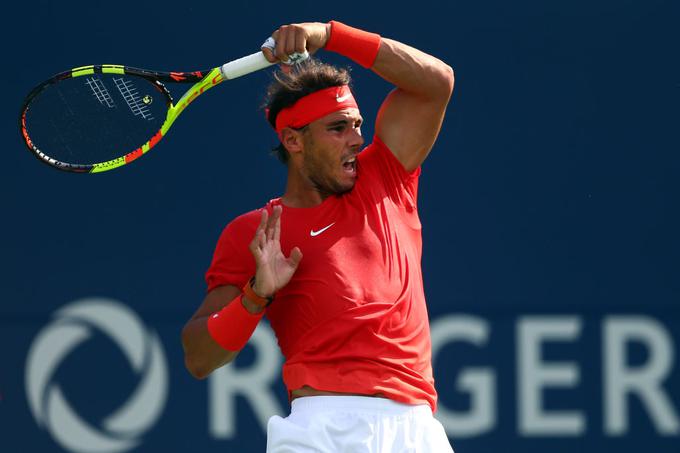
202,355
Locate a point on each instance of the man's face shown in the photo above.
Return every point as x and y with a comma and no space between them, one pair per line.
331,144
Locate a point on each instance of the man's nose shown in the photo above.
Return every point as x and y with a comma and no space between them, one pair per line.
356,139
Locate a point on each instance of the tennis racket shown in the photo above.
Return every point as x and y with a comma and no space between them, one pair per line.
96,118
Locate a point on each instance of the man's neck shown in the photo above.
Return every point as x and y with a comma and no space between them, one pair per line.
302,199
300,192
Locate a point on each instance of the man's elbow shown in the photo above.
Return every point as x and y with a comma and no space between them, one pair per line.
447,79
197,370
201,360
440,82
194,359
195,365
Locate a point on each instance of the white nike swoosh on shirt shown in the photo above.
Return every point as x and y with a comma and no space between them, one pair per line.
342,98
313,233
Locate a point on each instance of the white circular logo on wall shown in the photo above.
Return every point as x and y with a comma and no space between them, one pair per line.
73,324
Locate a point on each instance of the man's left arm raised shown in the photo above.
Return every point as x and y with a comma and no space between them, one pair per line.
411,116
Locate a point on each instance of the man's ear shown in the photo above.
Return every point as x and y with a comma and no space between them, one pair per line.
292,140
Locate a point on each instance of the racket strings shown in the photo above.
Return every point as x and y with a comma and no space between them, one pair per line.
138,106
100,92
95,118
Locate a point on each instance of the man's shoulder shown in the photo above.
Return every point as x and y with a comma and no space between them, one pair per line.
378,159
247,218
379,153
369,149
248,221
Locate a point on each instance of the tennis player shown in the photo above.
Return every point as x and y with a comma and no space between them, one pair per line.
335,263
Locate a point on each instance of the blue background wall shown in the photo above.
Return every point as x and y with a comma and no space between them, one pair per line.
552,191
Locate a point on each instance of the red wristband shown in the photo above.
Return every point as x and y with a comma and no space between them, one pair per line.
232,326
357,45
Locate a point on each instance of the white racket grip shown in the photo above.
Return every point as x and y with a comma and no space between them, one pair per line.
245,65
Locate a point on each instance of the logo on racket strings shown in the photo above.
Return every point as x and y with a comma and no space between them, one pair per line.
72,326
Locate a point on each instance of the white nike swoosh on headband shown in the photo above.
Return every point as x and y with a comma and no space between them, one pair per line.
342,98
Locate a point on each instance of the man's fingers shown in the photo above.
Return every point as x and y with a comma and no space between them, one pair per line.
257,254
281,42
271,222
295,257
263,219
269,55
277,224
291,41
256,244
258,240
300,44
272,54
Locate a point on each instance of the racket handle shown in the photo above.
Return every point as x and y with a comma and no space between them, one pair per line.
245,65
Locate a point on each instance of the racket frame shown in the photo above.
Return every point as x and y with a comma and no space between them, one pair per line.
202,80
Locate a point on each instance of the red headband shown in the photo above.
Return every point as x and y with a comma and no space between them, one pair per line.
314,106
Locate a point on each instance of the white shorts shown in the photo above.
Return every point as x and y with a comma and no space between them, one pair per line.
356,424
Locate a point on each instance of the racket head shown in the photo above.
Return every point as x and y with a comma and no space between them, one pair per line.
96,118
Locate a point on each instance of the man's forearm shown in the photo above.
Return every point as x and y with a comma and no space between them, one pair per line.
407,68
413,71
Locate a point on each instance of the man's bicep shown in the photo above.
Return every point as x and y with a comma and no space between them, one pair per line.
409,125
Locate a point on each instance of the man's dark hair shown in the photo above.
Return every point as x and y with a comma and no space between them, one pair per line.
303,79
